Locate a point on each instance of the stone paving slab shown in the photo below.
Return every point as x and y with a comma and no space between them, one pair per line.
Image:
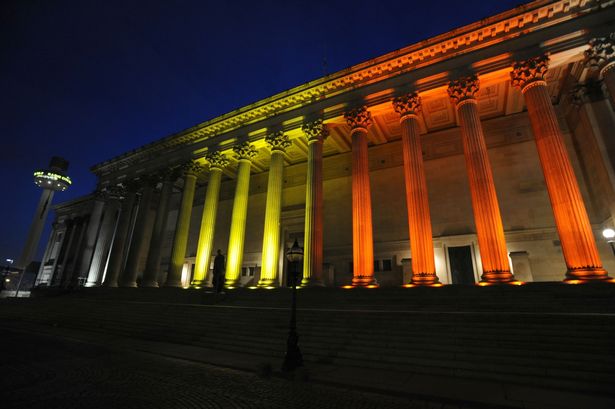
414,390
46,371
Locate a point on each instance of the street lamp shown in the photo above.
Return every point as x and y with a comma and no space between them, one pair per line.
293,358
609,235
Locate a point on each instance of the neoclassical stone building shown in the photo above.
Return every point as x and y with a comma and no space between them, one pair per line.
485,154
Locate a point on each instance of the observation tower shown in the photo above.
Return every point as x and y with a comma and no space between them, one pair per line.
50,180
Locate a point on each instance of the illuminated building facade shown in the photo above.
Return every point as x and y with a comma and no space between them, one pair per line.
484,154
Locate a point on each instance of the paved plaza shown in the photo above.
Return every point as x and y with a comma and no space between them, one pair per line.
41,371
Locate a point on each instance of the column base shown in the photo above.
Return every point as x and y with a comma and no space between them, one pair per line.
267,283
130,285
311,282
232,283
364,281
595,274
150,284
110,285
198,284
173,284
419,279
497,277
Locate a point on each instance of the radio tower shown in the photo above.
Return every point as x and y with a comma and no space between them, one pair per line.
50,180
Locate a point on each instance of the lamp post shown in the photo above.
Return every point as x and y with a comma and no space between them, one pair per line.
293,358
609,235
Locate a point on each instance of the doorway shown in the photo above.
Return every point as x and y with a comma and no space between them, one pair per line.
461,265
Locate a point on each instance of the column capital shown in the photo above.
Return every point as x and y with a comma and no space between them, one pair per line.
216,160
358,118
101,194
530,72
601,54
407,105
315,131
244,151
463,89
150,180
191,168
278,141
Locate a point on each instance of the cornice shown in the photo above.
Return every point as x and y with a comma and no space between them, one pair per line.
521,20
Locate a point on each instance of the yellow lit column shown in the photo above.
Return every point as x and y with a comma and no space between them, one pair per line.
601,56
116,258
180,240
217,162
573,226
315,133
489,228
359,120
244,154
417,200
154,256
278,142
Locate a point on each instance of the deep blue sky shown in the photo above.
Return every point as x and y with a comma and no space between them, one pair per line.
88,80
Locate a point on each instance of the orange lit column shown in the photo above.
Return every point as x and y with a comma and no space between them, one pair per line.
116,258
217,162
601,56
362,236
315,133
575,233
489,229
244,152
417,200
129,277
180,240
154,255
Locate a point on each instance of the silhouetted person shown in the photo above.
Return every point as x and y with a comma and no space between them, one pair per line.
219,268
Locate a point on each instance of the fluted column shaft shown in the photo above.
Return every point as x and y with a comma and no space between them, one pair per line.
573,226
313,244
417,199
129,278
116,258
92,233
208,224
273,211
154,256
238,224
489,228
180,240
103,241
362,234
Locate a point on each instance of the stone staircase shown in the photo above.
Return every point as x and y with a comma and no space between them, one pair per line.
532,346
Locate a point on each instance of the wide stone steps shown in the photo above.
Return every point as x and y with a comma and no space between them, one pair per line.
481,336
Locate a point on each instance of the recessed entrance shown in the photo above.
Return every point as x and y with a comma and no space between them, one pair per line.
461,266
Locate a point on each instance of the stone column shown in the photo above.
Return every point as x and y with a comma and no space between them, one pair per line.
244,154
489,229
601,57
103,242
129,277
180,241
278,142
315,133
64,257
92,233
72,279
575,233
359,120
217,162
417,199
154,255
117,256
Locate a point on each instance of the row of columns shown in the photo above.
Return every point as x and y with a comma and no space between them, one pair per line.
573,226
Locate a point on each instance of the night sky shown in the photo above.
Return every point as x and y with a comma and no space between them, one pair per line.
89,80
